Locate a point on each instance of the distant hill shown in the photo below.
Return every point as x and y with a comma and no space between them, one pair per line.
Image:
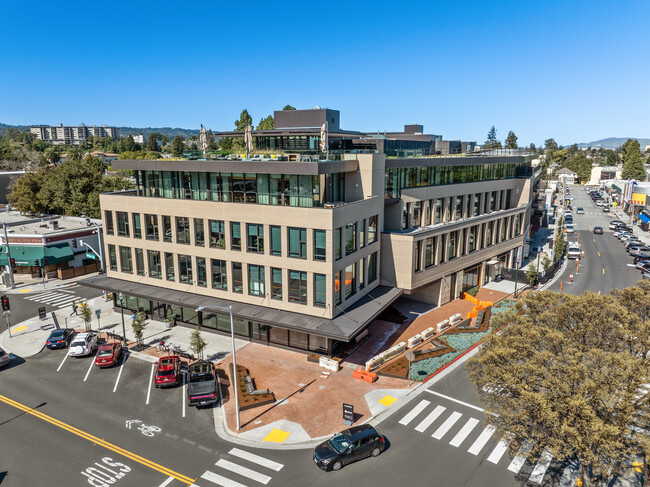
124,131
613,142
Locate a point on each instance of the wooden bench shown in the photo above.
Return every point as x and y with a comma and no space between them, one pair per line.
250,388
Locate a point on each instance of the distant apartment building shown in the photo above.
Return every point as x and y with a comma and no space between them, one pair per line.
139,139
70,135
308,251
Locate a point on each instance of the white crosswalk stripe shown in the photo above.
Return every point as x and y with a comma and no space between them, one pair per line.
482,439
59,299
244,471
464,432
499,450
520,458
540,468
219,480
414,412
426,422
241,470
251,457
446,426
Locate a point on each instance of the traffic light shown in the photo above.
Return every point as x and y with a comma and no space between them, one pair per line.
37,263
13,262
74,243
5,303
44,261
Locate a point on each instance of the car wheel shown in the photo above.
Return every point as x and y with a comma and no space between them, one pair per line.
337,465
376,452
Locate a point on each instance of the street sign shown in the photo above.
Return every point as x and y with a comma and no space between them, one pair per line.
98,312
410,355
91,256
41,313
348,414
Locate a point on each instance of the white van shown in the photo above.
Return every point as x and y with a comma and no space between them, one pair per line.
573,251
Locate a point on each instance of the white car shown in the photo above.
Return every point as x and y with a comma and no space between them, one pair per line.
569,228
580,210
4,358
83,344
600,203
574,251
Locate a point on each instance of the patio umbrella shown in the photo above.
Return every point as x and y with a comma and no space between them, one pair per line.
324,146
203,140
248,138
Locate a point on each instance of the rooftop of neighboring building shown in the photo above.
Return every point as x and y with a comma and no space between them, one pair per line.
19,223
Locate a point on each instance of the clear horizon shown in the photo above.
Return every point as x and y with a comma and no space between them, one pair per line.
573,72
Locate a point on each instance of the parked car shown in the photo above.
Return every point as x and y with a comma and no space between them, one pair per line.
598,230
639,250
573,251
614,223
633,242
349,446
108,354
600,202
641,257
202,387
605,209
60,338
580,210
569,228
83,344
641,263
4,358
646,275
168,371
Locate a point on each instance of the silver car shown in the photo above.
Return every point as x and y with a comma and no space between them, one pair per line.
83,344
4,358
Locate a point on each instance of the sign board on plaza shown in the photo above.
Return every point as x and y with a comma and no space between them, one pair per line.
348,414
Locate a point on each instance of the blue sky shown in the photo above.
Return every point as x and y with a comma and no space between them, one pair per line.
573,70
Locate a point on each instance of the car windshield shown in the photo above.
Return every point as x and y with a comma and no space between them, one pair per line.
166,362
165,372
105,353
78,344
56,335
340,443
201,372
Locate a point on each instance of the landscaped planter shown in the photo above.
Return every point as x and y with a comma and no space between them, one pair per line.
246,400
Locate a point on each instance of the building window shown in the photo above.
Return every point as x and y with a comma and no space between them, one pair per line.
126,265
337,287
517,225
458,213
417,252
298,287
122,224
169,266
372,267
237,279
298,339
337,244
276,240
320,290
201,274
350,238
372,229
350,281
477,204
155,266
451,245
112,257
362,233
362,274
279,336
235,232
139,262
320,250
219,274
276,283
471,243
256,280
417,214
255,235
167,228
137,226
182,230
199,235
152,227
438,215
108,217
217,234
185,269
429,252
298,243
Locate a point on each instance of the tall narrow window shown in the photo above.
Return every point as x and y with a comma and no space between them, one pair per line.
108,218
235,239
350,287
320,251
298,243
122,224
362,274
255,235
276,283
237,279
372,229
320,294
337,287
201,273
217,234
169,266
167,228
337,243
429,252
298,287
199,236
152,227
362,233
112,257
350,238
256,280
137,226
276,240
182,230
155,266
417,253
219,274
372,267
126,265
139,262
185,269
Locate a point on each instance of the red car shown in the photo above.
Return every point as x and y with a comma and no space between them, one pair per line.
168,371
108,354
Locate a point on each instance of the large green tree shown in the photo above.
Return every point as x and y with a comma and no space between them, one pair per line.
266,124
288,107
550,145
178,146
612,158
633,161
492,142
152,142
511,140
567,376
244,120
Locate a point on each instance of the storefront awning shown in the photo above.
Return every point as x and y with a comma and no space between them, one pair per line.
644,218
25,255
57,253
616,188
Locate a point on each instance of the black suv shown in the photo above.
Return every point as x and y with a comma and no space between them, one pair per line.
349,446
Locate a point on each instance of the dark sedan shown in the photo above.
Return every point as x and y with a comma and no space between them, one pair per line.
598,230
60,338
349,446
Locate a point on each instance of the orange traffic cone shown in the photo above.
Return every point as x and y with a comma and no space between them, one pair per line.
560,285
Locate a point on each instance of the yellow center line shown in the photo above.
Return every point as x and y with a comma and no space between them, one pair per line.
98,441
603,270
598,293
598,254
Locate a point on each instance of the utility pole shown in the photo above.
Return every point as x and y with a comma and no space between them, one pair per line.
11,268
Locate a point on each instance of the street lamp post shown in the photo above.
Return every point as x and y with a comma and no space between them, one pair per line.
121,298
516,275
235,386
99,244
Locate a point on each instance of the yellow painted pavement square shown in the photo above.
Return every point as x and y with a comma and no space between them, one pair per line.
387,400
25,291
277,436
20,328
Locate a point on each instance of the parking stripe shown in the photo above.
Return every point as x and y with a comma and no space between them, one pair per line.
153,366
92,363
184,396
251,457
119,374
61,364
243,471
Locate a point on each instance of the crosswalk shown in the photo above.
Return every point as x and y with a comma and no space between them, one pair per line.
59,299
243,467
459,428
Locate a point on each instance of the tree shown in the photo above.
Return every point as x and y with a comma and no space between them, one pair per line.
532,274
492,142
550,145
152,142
565,375
546,262
612,158
560,244
580,165
178,146
244,120
511,140
86,314
532,146
197,343
633,161
212,145
128,144
139,324
266,124
288,107
75,153
52,154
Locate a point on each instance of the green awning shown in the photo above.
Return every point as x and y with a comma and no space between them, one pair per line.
57,253
25,255
616,188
